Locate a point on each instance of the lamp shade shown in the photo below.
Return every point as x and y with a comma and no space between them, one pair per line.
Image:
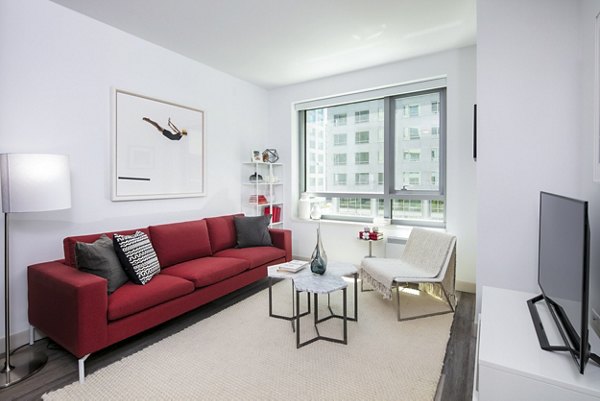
34,182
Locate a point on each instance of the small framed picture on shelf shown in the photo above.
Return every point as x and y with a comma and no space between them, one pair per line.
256,156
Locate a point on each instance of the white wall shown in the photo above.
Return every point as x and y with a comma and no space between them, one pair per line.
339,238
530,130
57,69
591,190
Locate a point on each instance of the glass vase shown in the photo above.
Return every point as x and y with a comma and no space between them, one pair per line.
318,260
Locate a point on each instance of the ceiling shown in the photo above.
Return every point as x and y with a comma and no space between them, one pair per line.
274,43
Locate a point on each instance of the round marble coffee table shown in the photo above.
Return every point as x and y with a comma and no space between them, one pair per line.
316,284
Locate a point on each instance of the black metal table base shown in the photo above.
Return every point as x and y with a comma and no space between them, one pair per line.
292,318
317,321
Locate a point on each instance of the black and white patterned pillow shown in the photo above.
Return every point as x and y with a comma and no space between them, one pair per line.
137,256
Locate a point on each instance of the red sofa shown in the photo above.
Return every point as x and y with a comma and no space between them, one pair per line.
199,263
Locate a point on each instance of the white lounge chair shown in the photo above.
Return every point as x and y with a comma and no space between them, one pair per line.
429,260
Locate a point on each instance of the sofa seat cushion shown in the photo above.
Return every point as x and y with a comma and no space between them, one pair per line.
132,298
206,271
179,242
256,256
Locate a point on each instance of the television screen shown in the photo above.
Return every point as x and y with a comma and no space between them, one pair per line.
563,268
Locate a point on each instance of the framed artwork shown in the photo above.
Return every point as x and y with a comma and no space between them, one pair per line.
158,149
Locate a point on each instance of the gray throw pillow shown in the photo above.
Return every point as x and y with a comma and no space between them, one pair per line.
99,258
252,231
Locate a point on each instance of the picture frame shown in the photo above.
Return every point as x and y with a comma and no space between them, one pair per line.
256,156
157,149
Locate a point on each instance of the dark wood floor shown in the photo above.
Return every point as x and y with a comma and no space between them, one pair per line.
61,369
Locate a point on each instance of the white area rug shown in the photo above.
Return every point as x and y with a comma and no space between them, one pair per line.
243,354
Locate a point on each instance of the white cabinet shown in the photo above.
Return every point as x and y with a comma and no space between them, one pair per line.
510,364
262,190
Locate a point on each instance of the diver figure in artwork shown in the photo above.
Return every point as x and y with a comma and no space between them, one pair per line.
172,136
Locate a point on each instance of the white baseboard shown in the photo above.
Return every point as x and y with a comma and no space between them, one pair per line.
21,338
465,286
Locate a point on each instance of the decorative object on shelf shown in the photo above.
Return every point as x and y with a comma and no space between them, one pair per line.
315,211
258,200
30,183
255,177
318,260
256,156
276,213
304,206
270,155
147,164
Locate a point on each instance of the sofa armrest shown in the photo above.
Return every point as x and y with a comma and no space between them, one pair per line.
69,306
282,239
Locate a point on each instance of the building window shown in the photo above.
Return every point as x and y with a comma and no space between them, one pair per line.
361,116
435,107
361,178
409,143
411,178
361,158
339,179
340,139
339,159
413,155
411,133
339,119
361,137
411,110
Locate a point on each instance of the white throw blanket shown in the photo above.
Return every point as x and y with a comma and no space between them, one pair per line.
423,257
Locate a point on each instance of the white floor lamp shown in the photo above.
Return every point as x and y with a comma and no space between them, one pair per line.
30,183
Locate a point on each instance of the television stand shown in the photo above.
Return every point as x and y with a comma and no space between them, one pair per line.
510,365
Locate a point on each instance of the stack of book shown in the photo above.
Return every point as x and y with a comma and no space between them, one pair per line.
293,266
275,213
257,199
375,236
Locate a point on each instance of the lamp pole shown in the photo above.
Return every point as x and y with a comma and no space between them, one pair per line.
7,366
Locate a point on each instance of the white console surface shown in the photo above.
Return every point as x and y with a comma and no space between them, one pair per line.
511,362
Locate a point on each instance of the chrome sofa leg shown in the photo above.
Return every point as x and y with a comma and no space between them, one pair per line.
81,363
31,335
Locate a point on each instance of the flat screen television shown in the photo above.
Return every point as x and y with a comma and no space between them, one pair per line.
563,274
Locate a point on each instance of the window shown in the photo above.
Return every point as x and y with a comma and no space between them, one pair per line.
339,159
411,133
361,178
405,178
411,110
411,178
361,116
339,179
361,137
413,155
339,139
361,158
339,119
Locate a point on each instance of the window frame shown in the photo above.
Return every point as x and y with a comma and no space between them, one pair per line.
389,192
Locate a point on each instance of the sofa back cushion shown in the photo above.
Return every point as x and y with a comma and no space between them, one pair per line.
222,232
70,242
179,242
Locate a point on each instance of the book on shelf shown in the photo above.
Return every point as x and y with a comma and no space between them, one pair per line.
275,213
293,266
258,199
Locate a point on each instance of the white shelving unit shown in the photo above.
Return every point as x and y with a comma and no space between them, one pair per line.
262,188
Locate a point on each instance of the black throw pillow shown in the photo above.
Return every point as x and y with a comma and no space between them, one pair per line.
137,256
99,258
252,231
